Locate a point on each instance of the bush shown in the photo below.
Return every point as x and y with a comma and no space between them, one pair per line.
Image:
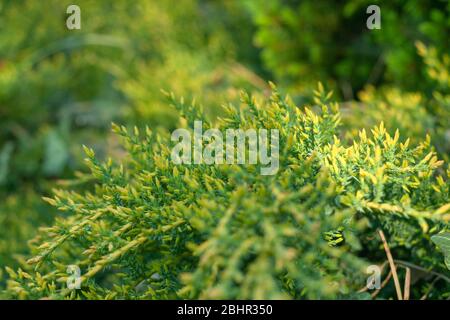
76,82
415,114
60,89
303,41
153,229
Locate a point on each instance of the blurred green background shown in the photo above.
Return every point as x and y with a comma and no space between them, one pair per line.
62,88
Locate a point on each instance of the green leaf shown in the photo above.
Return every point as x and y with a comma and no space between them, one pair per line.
442,241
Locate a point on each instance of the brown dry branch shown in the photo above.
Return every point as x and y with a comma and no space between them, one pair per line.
398,289
407,286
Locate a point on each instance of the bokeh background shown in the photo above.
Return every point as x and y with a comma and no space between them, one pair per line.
60,88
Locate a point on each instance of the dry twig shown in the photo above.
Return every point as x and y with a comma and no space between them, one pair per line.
407,284
392,265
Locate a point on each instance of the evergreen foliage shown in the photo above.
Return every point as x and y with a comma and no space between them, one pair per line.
152,229
141,227
415,114
60,89
307,40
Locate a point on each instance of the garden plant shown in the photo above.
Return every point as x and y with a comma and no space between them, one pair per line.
94,204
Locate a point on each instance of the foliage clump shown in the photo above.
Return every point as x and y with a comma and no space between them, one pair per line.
150,229
303,41
416,113
61,88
